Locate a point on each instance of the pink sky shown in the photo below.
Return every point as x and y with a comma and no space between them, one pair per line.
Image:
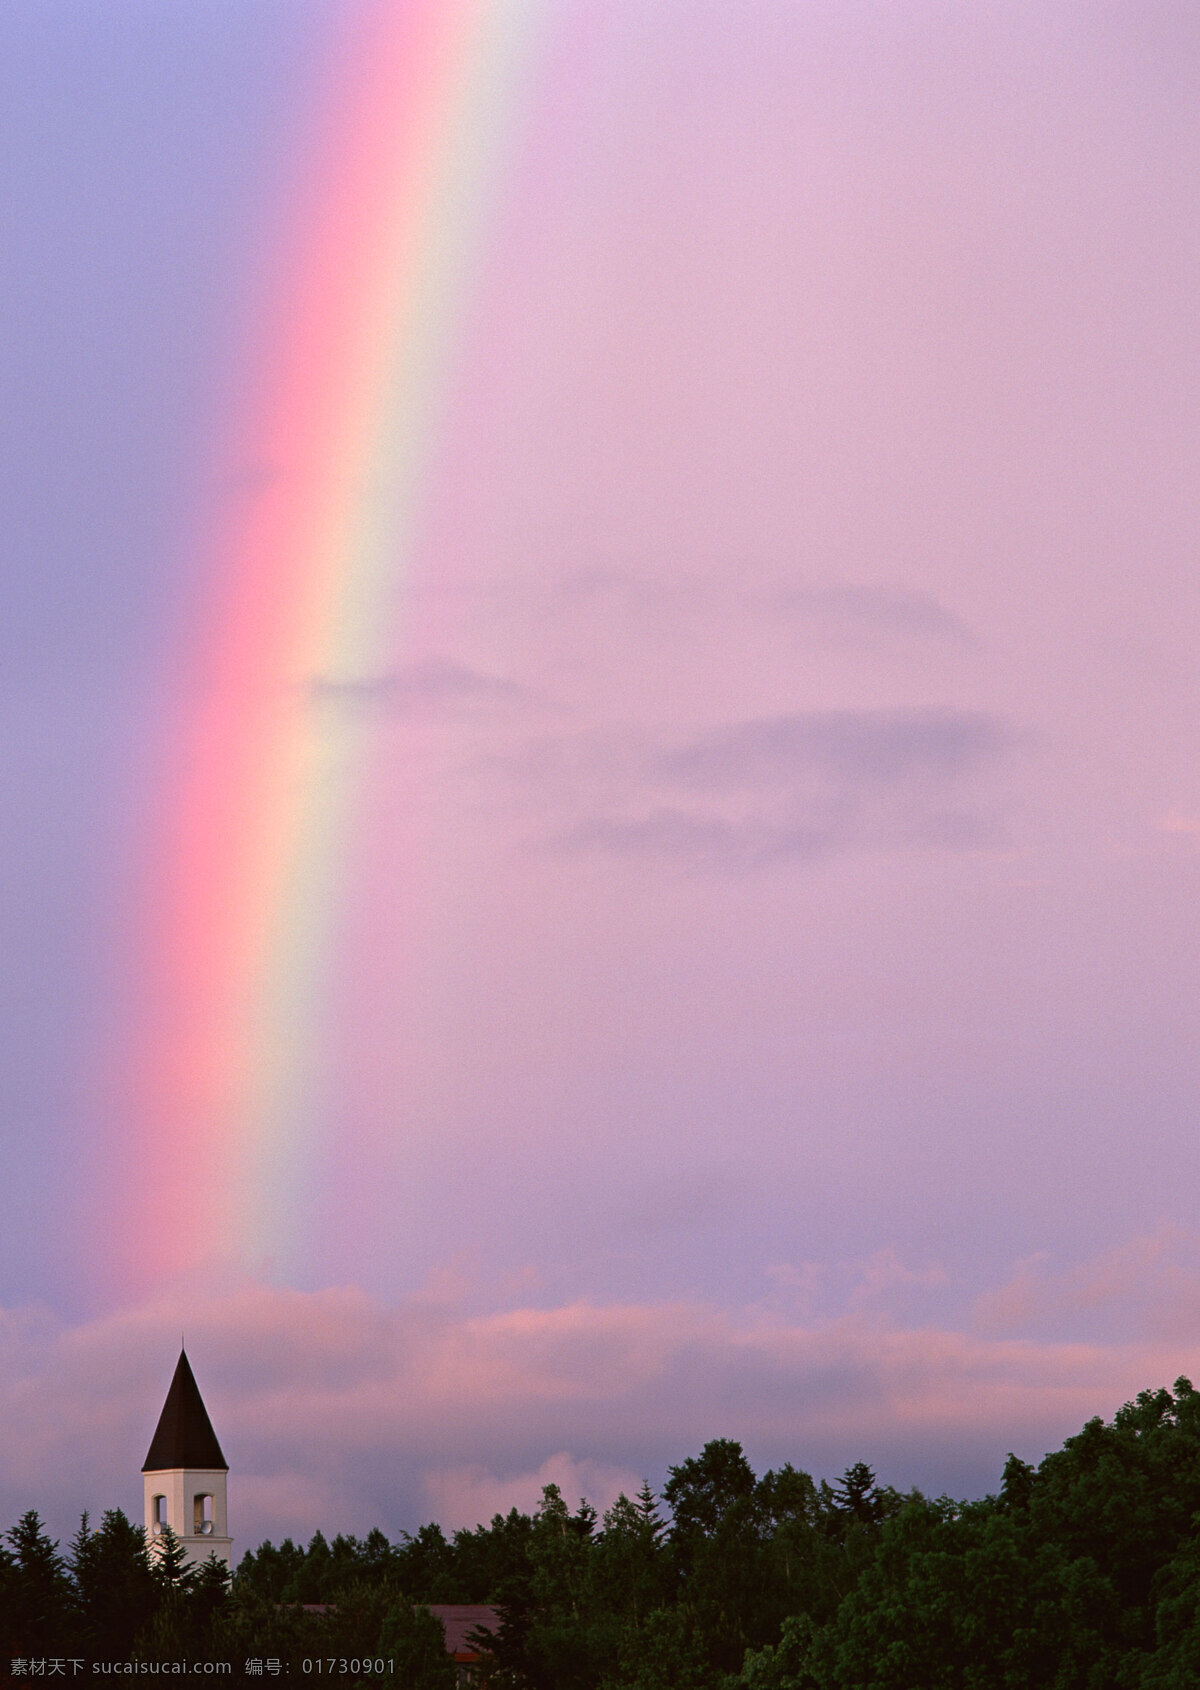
765,1000
336,1408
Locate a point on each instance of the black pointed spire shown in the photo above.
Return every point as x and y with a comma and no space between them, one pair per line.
184,1437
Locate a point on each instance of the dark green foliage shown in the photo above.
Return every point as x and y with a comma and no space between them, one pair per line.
628,1565
413,1638
486,1565
1124,1497
859,1497
315,1578
428,1563
665,1653
115,1588
952,1597
169,1565
718,1538
1080,1574
268,1573
784,1665
209,1594
39,1597
170,1630
1175,1663
707,1490
1083,1574
252,1625
9,1641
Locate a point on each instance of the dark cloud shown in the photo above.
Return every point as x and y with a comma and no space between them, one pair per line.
436,684
707,840
599,581
801,787
858,746
854,609
902,610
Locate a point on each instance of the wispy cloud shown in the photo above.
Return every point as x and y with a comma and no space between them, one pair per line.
796,788
857,607
845,747
467,1494
1149,1284
677,836
838,612
437,684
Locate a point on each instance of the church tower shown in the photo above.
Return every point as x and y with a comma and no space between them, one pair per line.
185,1474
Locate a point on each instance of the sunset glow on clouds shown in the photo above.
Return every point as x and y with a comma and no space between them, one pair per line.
465,1415
598,773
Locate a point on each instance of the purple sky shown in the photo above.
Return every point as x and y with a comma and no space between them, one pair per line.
789,1033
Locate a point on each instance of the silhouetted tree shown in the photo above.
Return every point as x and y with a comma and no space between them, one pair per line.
115,1587
40,1594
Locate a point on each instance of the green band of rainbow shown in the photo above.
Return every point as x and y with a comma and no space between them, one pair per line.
364,344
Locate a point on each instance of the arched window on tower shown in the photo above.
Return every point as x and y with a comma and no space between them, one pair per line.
158,1515
202,1514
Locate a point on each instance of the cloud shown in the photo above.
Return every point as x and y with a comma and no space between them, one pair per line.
1149,1284
436,684
849,608
884,1272
1182,830
799,787
638,591
675,835
464,1496
861,608
844,747
340,1411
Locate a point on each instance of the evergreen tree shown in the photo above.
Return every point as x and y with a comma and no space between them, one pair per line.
115,1587
169,1565
41,1611
208,1596
8,1605
313,1579
268,1572
437,1571
857,1496
629,1561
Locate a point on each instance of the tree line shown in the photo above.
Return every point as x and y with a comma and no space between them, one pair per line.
1082,1573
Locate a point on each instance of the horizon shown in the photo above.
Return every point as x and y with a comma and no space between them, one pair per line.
600,819
526,1494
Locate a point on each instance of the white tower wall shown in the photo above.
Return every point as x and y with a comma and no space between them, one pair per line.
180,1487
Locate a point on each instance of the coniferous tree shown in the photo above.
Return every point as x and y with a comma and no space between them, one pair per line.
115,1588
208,1595
42,1610
312,1580
629,1571
169,1564
8,1604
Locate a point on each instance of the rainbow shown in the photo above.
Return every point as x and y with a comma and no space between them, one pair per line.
341,434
